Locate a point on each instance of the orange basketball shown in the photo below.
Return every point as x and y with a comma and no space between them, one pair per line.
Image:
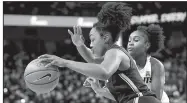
40,79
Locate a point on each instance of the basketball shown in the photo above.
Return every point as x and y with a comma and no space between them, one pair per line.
40,79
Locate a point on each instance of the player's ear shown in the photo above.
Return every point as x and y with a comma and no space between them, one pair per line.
147,45
107,37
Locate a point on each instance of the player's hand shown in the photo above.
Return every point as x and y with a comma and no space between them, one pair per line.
52,60
86,83
92,82
77,37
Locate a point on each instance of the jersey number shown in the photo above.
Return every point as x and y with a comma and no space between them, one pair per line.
147,79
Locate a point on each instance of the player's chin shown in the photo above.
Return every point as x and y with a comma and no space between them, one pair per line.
131,53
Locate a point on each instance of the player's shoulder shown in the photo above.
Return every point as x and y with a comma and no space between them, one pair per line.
157,64
115,51
155,61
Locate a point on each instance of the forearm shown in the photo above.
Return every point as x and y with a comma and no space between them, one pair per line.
158,79
86,53
88,69
158,90
105,93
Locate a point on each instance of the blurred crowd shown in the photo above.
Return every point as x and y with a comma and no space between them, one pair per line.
18,53
86,8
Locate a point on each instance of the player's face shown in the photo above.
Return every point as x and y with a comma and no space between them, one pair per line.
97,42
137,43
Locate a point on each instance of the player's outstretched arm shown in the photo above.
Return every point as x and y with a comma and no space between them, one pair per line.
103,92
101,71
158,78
78,41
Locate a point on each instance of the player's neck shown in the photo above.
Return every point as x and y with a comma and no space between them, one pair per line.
109,45
141,60
105,48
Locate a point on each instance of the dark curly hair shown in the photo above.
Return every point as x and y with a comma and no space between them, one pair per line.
155,36
114,17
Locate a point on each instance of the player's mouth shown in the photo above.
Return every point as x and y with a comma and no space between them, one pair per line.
130,49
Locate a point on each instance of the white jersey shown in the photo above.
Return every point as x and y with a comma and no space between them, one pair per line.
146,75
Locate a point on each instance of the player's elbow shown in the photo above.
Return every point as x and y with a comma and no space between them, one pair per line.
104,76
107,75
158,91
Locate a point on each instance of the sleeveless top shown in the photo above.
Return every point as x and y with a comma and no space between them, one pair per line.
147,77
127,84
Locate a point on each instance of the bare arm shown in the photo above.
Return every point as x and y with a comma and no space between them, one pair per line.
103,71
158,78
99,71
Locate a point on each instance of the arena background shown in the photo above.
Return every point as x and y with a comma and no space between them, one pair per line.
34,28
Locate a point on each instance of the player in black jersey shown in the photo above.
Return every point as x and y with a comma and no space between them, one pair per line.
116,66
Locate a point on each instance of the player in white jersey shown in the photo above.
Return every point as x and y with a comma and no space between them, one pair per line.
142,43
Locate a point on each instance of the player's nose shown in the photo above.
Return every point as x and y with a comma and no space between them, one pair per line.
91,45
130,44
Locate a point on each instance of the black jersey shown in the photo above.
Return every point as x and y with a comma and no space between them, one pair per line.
127,84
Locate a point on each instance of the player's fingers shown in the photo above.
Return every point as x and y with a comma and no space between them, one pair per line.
77,29
44,56
50,64
45,60
82,38
80,30
87,81
70,32
90,80
74,29
87,84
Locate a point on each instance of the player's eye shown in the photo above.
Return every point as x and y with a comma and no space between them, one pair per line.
92,40
136,39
